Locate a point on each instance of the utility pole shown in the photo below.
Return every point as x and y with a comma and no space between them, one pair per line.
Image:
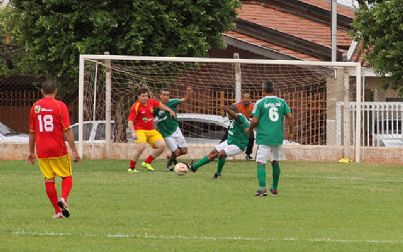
334,30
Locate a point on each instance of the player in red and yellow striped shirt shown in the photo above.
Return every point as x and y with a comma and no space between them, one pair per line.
49,126
141,123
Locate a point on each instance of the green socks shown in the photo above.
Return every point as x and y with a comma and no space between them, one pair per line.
220,165
276,175
261,175
200,163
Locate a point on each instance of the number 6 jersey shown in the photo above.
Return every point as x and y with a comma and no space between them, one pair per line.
48,119
270,111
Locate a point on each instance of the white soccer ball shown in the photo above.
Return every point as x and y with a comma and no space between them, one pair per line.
181,169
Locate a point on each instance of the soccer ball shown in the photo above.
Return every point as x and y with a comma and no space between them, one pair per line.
181,169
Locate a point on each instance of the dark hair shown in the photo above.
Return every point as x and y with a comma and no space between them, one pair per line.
268,87
233,108
142,91
48,87
164,90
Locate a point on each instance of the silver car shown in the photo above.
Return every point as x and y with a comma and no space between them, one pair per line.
8,135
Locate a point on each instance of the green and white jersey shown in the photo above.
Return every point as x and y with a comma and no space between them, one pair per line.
270,111
166,124
236,132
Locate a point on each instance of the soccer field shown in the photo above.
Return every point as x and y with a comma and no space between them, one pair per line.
321,206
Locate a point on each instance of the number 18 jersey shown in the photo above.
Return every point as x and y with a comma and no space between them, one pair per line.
270,111
48,119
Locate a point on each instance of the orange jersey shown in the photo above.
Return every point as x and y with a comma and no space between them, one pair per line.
48,119
245,110
143,115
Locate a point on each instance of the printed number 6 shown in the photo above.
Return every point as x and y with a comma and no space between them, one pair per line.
273,114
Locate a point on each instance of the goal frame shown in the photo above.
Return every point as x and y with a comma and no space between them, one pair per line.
236,61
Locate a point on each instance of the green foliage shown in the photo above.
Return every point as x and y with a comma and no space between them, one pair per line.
55,32
379,25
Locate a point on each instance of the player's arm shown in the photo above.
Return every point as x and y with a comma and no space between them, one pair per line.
290,123
31,144
31,155
67,131
166,108
253,123
130,124
255,119
230,112
188,95
69,136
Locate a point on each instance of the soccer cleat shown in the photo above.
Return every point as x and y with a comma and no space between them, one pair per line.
216,176
273,192
248,157
147,166
190,166
58,216
171,165
261,192
130,170
65,208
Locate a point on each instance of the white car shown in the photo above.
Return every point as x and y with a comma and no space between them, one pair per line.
8,135
387,133
93,131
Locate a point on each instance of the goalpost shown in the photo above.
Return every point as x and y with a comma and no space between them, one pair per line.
108,85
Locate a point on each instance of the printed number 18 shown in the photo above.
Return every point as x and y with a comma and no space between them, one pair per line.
45,123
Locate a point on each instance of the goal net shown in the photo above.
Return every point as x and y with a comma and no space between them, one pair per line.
109,84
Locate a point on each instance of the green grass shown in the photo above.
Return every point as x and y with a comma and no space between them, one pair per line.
321,206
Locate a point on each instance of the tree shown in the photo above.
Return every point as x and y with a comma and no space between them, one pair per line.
379,25
55,32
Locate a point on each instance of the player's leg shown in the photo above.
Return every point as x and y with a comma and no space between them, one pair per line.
249,148
50,188
155,139
227,151
262,154
179,146
181,143
173,147
63,168
141,143
205,160
220,164
275,164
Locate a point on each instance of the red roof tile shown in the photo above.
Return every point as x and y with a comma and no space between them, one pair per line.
267,45
325,4
297,26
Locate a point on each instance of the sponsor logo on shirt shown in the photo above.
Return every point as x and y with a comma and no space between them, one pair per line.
37,109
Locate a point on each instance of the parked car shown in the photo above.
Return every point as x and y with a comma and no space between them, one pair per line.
8,135
387,133
93,131
204,128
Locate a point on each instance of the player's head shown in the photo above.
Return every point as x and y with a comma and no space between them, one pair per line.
246,98
268,87
234,109
143,95
49,88
164,95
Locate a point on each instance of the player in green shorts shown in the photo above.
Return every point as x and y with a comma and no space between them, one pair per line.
268,119
234,145
169,127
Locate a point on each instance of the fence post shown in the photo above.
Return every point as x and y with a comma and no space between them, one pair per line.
346,114
238,79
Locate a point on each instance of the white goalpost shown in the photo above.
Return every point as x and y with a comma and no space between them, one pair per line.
108,85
